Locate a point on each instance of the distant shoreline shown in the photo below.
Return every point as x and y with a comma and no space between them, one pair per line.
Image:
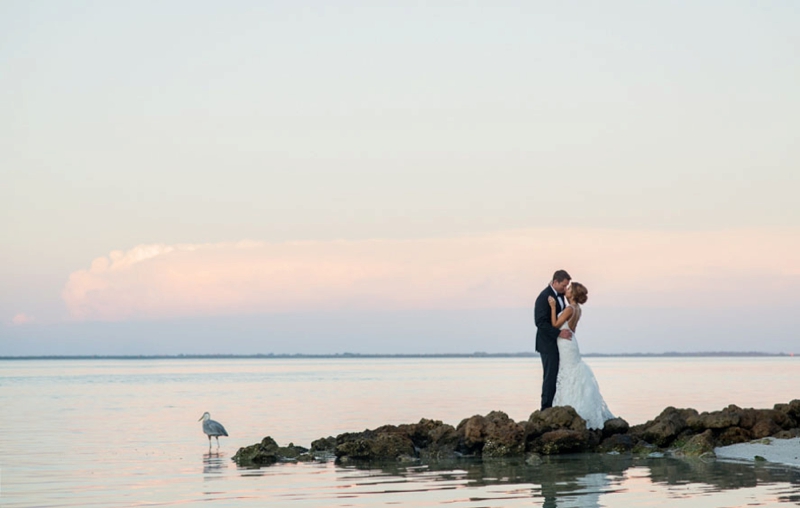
710,354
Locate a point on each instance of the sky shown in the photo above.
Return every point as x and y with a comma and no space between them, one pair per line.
245,177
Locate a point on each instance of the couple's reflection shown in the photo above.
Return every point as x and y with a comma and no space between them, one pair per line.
583,492
213,463
576,481
585,481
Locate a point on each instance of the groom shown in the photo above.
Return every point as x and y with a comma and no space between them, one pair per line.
547,335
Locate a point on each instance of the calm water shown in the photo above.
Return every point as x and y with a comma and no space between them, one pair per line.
125,432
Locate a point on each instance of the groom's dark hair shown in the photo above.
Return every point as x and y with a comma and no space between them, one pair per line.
561,275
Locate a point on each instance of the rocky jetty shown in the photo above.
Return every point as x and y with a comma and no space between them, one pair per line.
557,430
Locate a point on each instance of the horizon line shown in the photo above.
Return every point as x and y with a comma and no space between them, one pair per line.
477,354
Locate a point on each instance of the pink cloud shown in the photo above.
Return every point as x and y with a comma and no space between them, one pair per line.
21,319
505,269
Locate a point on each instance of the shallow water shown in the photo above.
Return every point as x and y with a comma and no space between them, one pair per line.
125,432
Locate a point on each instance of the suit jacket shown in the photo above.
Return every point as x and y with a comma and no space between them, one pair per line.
546,333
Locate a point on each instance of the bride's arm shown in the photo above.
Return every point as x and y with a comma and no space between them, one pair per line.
560,320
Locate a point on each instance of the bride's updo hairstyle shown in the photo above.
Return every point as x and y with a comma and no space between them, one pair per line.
579,292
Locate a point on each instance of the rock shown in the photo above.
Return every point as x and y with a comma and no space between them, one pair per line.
562,441
734,435
643,448
495,435
268,452
558,430
471,431
770,421
698,445
749,418
553,418
291,451
666,427
492,448
533,459
792,410
788,434
433,439
263,453
728,417
428,433
765,427
383,443
618,443
615,426
324,444
555,430
782,419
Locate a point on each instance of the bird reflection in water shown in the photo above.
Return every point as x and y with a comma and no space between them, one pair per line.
213,463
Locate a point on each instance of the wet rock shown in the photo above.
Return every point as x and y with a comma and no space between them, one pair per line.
558,430
440,451
769,422
728,417
553,418
427,433
643,448
533,459
268,452
383,443
618,443
492,448
788,434
493,435
432,439
615,426
562,441
733,435
291,451
666,427
764,428
782,419
792,410
324,444
259,454
749,418
684,432
471,433
698,445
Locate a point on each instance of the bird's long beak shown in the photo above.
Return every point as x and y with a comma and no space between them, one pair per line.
200,418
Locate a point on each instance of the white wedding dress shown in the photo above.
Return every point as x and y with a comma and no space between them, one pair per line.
576,385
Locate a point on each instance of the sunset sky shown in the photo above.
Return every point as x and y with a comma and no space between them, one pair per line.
397,177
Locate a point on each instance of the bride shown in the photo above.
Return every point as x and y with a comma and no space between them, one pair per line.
576,385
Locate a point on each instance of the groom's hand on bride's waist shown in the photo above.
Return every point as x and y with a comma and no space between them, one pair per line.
565,334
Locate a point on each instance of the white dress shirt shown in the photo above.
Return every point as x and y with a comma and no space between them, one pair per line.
559,298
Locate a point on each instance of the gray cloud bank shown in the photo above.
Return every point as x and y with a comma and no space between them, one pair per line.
604,330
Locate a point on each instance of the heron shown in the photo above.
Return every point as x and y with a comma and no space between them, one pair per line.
212,428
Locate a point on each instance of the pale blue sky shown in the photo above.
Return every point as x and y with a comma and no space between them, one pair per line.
202,122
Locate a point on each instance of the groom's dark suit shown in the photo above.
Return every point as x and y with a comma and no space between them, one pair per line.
547,343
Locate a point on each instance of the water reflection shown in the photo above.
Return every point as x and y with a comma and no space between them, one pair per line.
578,480
213,464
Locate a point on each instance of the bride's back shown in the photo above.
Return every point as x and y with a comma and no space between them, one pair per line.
572,323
